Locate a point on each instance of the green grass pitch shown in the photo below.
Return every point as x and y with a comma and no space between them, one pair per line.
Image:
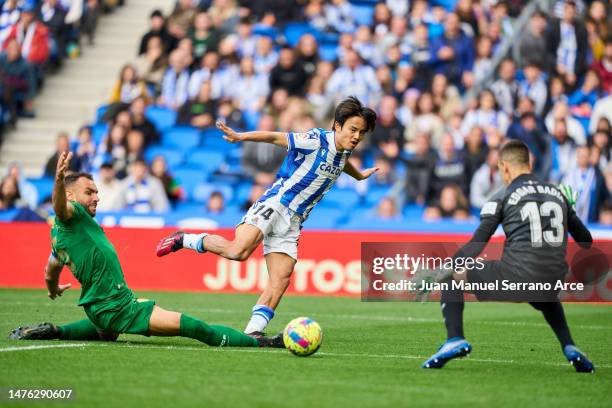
370,357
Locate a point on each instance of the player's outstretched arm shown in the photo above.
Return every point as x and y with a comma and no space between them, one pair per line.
356,174
63,209
277,138
52,274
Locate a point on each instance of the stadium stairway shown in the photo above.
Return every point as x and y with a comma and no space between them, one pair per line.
70,97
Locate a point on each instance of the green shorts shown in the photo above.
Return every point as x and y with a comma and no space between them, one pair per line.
123,314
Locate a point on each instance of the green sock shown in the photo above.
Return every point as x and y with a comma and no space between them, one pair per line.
79,330
214,335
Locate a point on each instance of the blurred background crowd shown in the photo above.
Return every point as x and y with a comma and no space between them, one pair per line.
451,80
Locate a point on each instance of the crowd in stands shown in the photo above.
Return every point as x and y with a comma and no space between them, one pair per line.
284,64
36,36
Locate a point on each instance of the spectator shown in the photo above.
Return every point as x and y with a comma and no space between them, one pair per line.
451,204
134,146
487,116
386,210
601,141
567,45
141,192
36,49
85,150
562,152
483,62
62,145
339,16
556,93
536,139
127,88
453,52
174,89
603,68
17,81
354,78
89,20
157,29
9,15
228,114
151,64
449,168
53,16
475,151
109,189
602,109
486,180
385,176
198,112
113,149
534,87
265,57
207,72
262,159
533,43
142,123
9,194
307,54
251,89
159,169
584,98
256,191
426,120
388,135
605,214
445,97
215,203
203,35
27,191
288,74
224,14
562,112
590,185
506,87
246,41
421,56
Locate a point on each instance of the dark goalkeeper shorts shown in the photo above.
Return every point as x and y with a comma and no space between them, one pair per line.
122,314
506,284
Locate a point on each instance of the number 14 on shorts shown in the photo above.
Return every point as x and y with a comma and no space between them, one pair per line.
264,212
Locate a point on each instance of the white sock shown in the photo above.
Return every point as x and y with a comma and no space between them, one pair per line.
259,319
194,241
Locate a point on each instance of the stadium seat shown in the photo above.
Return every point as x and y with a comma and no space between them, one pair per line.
184,138
266,31
203,190
162,117
98,131
242,192
251,119
212,139
188,177
340,198
44,187
205,159
374,195
174,157
293,32
100,111
363,14
328,52
324,218
329,38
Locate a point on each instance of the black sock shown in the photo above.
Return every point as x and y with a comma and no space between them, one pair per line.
452,303
554,315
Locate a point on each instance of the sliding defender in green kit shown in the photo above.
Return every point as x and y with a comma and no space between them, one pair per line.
79,243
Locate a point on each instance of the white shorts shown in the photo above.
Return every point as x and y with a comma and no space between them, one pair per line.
279,225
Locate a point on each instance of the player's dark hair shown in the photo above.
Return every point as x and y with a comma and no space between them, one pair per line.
515,152
352,107
74,176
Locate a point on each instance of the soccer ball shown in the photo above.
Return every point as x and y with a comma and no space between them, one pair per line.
303,336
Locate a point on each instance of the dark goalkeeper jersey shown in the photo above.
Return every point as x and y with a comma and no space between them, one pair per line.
536,219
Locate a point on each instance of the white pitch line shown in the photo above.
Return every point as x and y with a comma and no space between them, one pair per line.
44,346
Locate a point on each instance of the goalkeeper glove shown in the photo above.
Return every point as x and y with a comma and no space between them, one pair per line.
570,194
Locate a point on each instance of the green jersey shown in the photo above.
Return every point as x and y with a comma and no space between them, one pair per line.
80,244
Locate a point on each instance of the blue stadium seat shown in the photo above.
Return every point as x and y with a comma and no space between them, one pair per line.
203,190
293,32
340,198
212,139
162,117
44,186
242,192
188,177
324,218
265,31
363,14
374,195
173,157
413,211
100,111
98,131
184,138
328,52
205,159
251,119
329,38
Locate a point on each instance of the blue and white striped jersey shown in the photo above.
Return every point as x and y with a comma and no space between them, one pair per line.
309,170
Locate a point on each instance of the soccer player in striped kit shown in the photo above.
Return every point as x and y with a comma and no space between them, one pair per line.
314,161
